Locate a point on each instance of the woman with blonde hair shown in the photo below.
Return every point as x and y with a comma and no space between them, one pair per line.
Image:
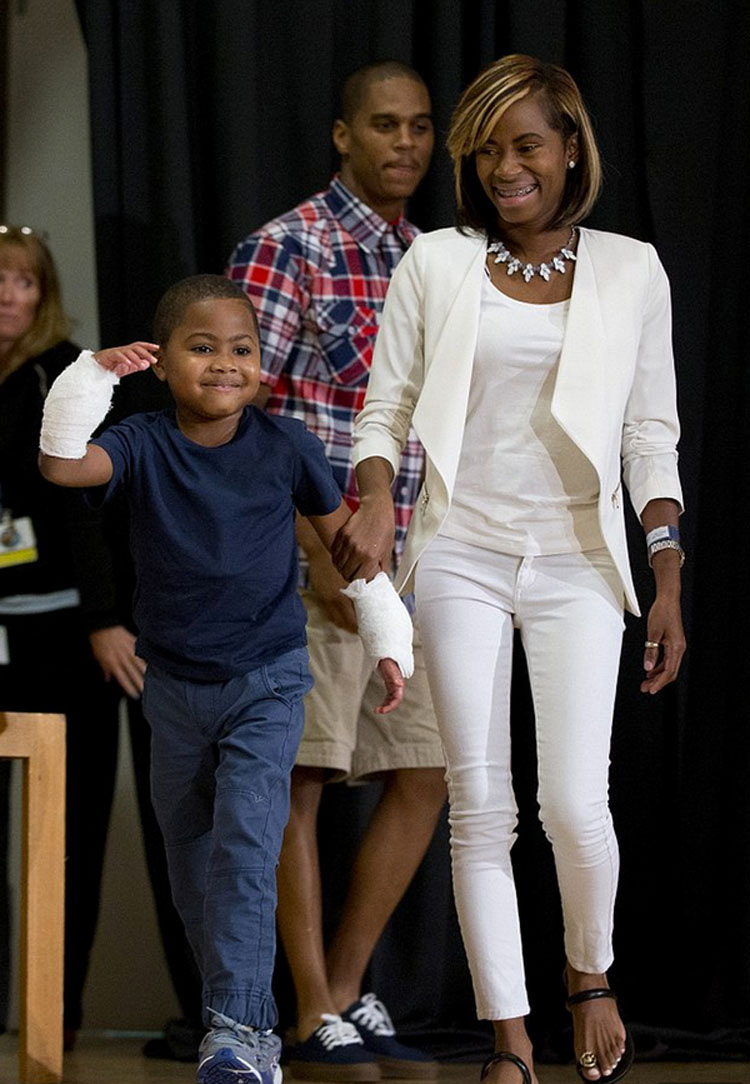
32,318
46,663
533,357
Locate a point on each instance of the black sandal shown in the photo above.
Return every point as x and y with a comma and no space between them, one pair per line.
625,1064
505,1055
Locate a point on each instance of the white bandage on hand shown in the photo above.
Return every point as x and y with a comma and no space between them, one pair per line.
383,621
76,404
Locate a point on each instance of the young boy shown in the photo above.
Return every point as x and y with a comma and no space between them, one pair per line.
213,487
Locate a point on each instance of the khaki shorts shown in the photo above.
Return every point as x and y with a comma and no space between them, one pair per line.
342,731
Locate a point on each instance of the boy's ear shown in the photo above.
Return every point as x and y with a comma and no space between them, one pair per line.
341,137
158,366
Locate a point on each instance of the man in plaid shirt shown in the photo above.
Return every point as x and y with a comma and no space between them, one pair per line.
318,276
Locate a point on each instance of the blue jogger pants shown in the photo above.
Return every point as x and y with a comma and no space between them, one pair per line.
222,755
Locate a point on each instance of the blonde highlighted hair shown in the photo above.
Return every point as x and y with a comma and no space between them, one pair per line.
481,106
20,247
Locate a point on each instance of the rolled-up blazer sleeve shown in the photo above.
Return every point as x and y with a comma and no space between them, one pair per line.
650,426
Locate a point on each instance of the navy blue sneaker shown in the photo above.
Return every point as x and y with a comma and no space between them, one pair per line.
232,1053
334,1052
396,1060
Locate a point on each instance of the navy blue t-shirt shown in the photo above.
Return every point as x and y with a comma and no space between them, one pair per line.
213,540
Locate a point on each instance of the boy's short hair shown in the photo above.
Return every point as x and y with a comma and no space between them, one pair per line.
186,292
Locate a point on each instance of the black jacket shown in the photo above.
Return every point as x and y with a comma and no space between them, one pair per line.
57,514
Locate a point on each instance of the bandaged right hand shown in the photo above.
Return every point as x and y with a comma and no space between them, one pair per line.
78,401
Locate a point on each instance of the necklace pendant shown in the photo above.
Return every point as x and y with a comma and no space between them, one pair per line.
528,270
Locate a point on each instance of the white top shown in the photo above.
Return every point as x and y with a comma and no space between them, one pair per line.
522,486
614,393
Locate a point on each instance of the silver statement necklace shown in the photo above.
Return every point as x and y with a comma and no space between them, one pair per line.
528,270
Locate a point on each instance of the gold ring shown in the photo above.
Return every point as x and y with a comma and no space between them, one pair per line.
652,643
587,1059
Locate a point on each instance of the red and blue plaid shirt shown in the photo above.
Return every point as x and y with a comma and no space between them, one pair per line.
318,276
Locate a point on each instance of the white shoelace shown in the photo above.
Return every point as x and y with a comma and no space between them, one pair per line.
263,1045
337,1032
373,1015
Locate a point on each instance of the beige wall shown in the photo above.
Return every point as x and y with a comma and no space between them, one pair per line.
48,186
47,167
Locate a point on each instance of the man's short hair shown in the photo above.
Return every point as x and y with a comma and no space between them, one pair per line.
187,292
355,86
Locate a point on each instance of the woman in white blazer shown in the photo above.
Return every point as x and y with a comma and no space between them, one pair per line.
533,358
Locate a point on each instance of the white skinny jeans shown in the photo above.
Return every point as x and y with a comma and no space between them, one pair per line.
568,609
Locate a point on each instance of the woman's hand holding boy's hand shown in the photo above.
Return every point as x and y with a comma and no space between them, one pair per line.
123,360
394,681
364,545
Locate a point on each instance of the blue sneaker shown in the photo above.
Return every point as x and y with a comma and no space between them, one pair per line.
396,1060
232,1053
334,1052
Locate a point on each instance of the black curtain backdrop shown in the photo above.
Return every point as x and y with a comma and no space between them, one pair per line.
210,118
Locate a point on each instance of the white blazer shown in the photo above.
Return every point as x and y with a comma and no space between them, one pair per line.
614,394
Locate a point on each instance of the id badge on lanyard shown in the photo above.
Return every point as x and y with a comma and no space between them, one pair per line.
17,547
17,541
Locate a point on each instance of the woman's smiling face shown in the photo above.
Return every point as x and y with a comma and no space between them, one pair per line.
523,165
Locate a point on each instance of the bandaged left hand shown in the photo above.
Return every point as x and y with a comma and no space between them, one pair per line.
394,683
383,621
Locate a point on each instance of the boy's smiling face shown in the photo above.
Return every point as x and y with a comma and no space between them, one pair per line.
211,363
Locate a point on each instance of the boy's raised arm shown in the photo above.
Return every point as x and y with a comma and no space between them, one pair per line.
77,403
93,469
